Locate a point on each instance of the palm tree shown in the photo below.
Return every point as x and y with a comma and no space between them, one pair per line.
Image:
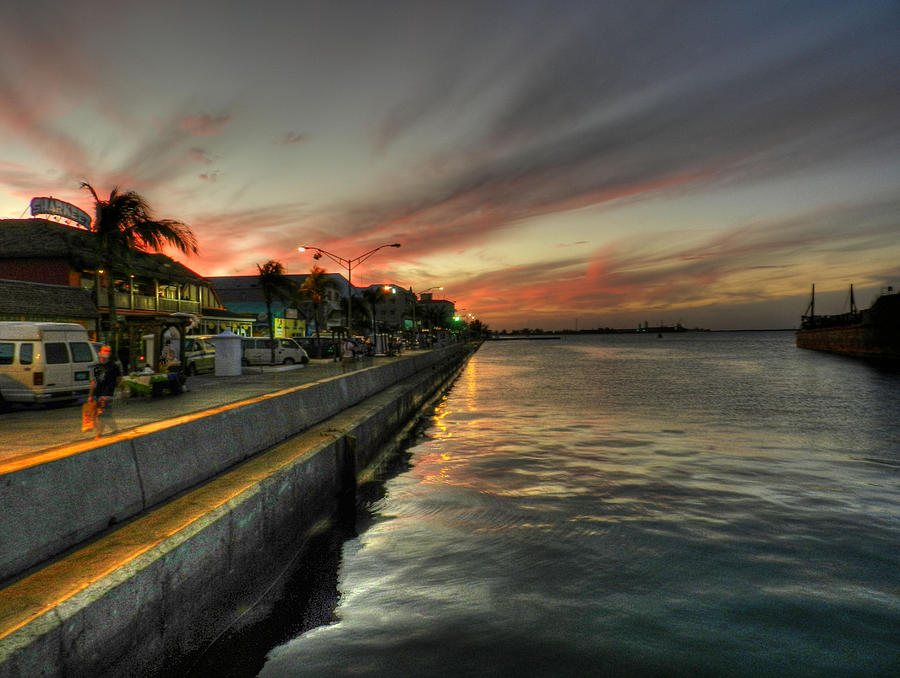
314,288
371,297
274,285
433,316
124,224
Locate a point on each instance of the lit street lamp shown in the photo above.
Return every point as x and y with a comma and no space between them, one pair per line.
350,265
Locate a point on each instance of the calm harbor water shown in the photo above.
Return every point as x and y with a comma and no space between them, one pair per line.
711,504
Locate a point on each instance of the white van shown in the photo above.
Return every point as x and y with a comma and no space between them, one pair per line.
44,361
259,351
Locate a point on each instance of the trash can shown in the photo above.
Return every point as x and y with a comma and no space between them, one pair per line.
228,354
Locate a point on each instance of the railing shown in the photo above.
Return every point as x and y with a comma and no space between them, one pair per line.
182,305
142,302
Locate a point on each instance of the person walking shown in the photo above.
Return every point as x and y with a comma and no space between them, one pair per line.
347,354
105,378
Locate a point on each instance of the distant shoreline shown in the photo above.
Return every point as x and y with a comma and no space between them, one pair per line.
564,333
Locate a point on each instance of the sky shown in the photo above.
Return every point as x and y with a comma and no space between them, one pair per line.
552,165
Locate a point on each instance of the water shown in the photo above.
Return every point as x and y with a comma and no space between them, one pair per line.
697,505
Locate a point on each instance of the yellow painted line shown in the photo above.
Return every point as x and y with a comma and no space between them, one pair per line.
26,600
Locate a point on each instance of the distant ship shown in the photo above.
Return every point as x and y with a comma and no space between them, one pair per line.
871,333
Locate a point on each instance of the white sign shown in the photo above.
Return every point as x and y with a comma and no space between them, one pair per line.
58,208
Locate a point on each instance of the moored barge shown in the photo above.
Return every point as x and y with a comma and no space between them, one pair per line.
871,333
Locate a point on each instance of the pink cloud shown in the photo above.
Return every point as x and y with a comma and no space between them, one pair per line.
203,125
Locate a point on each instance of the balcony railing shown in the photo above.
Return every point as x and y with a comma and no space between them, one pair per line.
140,302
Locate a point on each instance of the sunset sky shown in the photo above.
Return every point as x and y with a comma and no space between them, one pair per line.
549,163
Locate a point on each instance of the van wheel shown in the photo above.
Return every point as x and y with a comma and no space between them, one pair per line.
288,361
304,360
192,370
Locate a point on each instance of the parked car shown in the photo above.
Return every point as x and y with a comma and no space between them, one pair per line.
259,352
43,361
199,355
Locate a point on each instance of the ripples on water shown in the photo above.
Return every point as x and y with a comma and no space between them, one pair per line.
704,504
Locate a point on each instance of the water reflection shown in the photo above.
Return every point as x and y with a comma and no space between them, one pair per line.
307,594
699,508
306,598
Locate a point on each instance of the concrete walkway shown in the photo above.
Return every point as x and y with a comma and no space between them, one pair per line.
28,430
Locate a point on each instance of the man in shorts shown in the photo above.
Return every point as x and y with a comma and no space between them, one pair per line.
104,380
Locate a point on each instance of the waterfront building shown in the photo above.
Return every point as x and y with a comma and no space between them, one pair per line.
393,309
151,292
39,302
293,317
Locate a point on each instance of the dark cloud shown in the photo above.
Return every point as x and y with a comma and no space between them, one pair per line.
291,138
627,106
200,156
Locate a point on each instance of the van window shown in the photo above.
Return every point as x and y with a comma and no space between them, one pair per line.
26,353
6,353
287,343
81,352
57,353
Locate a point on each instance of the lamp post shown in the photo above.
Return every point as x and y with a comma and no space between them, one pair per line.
386,289
350,264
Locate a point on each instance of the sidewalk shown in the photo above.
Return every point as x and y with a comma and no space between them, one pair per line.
25,431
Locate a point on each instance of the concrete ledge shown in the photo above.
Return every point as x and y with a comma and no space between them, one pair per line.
48,508
162,586
53,506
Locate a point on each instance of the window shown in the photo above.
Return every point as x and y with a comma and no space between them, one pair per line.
81,352
57,353
26,354
6,353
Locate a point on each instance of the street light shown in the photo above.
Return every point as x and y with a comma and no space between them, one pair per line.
350,264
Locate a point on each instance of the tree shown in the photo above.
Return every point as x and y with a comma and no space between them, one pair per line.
433,315
274,285
479,330
314,288
372,296
124,224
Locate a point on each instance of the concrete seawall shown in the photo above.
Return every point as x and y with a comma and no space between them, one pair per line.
50,507
166,582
